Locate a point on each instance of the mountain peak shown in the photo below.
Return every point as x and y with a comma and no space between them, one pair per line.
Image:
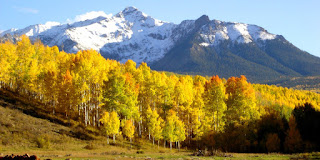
130,9
204,19
131,12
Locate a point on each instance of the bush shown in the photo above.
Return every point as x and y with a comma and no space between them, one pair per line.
91,146
43,141
140,152
273,142
5,140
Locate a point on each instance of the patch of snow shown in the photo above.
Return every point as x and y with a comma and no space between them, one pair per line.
239,32
267,36
217,31
204,44
89,15
222,35
259,33
51,24
208,38
10,31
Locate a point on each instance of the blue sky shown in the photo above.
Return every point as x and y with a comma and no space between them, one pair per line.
298,21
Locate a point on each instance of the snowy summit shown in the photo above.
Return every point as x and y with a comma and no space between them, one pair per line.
132,34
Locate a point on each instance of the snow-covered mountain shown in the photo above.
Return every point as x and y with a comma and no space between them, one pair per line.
200,46
132,34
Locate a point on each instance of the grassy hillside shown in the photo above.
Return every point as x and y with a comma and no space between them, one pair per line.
22,131
24,128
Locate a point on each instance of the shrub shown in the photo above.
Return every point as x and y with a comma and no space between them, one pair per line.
91,146
273,142
140,152
43,141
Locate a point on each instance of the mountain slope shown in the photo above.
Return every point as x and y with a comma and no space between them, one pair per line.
201,46
261,59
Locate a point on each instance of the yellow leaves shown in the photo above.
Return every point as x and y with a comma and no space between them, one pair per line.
115,122
214,98
85,84
197,115
67,77
287,98
241,100
130,67
174,129
128,129
25,50
183,92
111,123
7,59
105,120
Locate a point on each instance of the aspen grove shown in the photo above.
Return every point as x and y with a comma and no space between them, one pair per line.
169,109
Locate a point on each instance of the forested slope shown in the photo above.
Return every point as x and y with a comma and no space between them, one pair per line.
136,102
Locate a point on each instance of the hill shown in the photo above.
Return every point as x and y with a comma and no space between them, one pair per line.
24,126
22,131
311,83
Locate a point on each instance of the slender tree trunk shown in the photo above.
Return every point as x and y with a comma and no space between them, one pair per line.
218,120
97,114
85,114
108,139
69,116
152,140
53,107
94,116
139,129
170,145
114,138
189,129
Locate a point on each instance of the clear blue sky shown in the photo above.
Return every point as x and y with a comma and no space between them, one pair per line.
297,20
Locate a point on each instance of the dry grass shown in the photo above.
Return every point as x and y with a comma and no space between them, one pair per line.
20,130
